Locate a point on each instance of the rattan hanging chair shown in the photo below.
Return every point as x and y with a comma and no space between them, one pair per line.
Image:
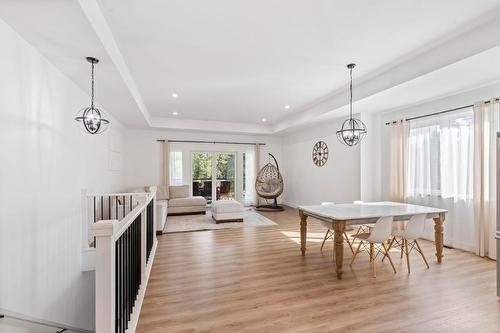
269,185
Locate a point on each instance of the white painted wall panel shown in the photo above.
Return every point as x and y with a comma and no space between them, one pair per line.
45,162
305,183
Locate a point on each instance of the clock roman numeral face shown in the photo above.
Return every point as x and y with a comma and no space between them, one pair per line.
320,153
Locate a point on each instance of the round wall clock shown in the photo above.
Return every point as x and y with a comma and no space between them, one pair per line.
320,153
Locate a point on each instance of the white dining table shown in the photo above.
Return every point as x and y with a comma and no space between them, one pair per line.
340,215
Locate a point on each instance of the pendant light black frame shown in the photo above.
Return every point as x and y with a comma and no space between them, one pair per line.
353,130
92,119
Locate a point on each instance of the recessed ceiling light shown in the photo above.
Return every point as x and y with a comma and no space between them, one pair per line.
174,95
287,106
264,120
175,113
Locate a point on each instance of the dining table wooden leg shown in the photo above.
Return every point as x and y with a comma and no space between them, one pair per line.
338,236
303,232
438,236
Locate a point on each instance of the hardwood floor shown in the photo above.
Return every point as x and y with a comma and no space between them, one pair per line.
255,280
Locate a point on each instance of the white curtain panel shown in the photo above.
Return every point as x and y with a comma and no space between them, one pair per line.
250,173
456,138
257,169
420,164
166,163
440,173
398,147
486,125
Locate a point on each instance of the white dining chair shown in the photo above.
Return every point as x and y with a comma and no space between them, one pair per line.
407,238
379,234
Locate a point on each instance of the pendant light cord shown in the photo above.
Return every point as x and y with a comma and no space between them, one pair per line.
350,103
92,94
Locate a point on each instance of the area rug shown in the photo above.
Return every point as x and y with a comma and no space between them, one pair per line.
184,223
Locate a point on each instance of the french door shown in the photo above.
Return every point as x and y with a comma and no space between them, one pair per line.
214,175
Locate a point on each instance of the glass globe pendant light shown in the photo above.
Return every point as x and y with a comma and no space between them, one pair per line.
91,119
353,130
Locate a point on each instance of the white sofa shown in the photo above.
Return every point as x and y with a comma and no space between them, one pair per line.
175,200
161,215
161,207
180,202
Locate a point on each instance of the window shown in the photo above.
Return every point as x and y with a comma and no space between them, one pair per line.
176,168
440,156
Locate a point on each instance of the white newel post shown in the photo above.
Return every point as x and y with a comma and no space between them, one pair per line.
105,276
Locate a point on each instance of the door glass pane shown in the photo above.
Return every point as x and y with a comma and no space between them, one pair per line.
202,175
226,173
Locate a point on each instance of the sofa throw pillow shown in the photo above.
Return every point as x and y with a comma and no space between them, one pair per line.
179,191
162,192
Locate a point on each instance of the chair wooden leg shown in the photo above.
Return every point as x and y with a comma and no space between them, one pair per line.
388,256
324,240
407,255
389,247
372,260
421,253
356,252
348,242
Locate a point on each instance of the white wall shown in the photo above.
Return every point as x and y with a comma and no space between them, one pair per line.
370,159
46,161
305,183
143,157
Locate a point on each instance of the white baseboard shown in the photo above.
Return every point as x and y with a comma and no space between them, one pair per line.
289,204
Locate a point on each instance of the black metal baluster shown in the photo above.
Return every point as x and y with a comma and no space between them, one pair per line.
109,207
128,275
127,285
117,265
132,257
135,261
118,294
125,305
122,280
94,222
102,209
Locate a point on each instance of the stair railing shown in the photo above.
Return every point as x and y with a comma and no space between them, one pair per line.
124,255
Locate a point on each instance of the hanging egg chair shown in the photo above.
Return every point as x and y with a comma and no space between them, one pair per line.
269,185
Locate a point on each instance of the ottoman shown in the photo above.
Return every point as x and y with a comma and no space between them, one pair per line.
227,211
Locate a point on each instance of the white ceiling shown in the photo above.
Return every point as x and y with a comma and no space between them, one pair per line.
235,62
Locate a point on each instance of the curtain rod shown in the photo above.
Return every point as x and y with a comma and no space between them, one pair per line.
439,112
214,142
